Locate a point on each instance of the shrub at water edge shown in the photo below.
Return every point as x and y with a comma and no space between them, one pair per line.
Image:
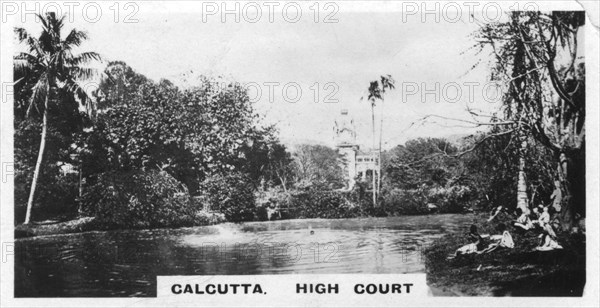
231,194
139,199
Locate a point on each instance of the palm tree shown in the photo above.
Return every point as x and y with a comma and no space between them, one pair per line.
373,92
377,90
48,65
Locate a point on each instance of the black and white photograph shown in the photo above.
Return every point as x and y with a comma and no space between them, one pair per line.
299,153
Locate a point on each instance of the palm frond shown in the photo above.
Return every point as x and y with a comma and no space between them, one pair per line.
35,46
83,73
60,23
32,43
75,38
50,63
85,100
44,22
22,66
84,58
61,60
26,67
45,41
22,34
50,37
38,93
26,56
19,80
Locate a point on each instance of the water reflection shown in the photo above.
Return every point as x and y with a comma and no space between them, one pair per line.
126,263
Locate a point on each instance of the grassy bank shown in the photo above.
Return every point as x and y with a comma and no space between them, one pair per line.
84,224
50,228
521,271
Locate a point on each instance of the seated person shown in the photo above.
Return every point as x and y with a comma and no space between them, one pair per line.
544,222
548,228
544,216
547,242
523,221
535,214
477,243
503,240
473,234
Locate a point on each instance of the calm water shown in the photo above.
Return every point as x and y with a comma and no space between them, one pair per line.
126,263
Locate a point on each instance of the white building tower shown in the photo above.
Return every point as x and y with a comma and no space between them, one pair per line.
357,164
345,142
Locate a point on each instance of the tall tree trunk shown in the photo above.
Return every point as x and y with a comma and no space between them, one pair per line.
80,203
522,200
38,164
373,172
518,88
380,142
567,213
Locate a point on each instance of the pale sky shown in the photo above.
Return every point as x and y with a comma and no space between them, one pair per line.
169,40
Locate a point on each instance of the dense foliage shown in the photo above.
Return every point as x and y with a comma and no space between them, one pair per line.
405,202
318,203
491,171
420,162
232,195
190,133
318,165
537,55
139,199
475,172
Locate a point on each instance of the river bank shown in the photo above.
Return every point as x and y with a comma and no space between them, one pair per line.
85,224
521,271
52,227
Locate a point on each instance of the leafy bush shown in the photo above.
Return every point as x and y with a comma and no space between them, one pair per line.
405,202
139,199
316,203
283,201
451,200
209,218
414,201
56,196
261,213
321,204
56,192
231,194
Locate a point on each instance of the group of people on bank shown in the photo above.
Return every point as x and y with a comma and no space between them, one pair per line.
540,220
